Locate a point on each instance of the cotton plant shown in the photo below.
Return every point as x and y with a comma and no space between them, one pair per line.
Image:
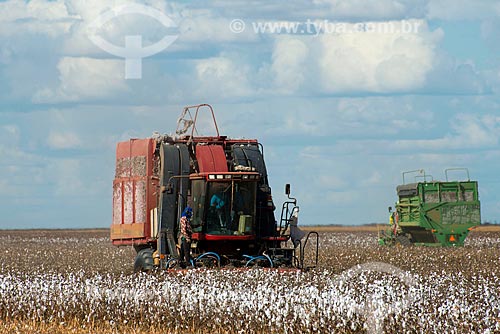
441,298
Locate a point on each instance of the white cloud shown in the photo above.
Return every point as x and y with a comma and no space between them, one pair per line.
335,150
477,131
18,168
372,179
35,17
372,9
377,62
355,10
465,132
204,27
357,61
85,78
463,9
290,57
9,134
351,117
450,76
328,9
63,140
490,30
332,64
342,198
221,77
114,31
343,179
67,177
331,181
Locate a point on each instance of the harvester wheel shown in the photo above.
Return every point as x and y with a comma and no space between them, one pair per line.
144,260
403,240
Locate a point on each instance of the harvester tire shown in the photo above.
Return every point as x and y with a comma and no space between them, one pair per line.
144,260
403,240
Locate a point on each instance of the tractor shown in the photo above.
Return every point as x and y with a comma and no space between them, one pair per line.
157,178
433,213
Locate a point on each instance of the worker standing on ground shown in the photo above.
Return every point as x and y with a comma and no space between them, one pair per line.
185,233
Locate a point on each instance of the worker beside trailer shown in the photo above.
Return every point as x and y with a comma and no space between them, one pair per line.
185,234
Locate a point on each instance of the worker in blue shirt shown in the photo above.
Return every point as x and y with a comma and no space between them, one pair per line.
218,203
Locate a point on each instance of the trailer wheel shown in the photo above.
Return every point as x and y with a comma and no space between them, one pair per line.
403,240
144,260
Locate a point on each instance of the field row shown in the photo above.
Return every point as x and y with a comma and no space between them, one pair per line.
78,282
257,300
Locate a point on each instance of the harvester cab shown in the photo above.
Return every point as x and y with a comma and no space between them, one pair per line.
225,183
433,213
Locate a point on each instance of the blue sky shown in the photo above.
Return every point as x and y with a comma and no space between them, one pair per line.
341,114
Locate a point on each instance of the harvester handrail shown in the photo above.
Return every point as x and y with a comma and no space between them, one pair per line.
286,215
303,249
420,171
457,168
196,116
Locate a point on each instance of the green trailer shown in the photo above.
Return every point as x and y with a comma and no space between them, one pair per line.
433,213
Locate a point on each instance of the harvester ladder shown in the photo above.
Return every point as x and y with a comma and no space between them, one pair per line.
286,218
286,215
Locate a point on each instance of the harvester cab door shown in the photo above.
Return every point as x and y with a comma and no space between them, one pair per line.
229,204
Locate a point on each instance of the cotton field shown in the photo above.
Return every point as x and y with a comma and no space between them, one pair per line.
75,281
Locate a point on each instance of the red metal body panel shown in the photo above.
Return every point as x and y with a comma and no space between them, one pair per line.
211,158
218,237
134,189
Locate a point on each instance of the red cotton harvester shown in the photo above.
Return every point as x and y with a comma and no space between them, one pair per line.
224,181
